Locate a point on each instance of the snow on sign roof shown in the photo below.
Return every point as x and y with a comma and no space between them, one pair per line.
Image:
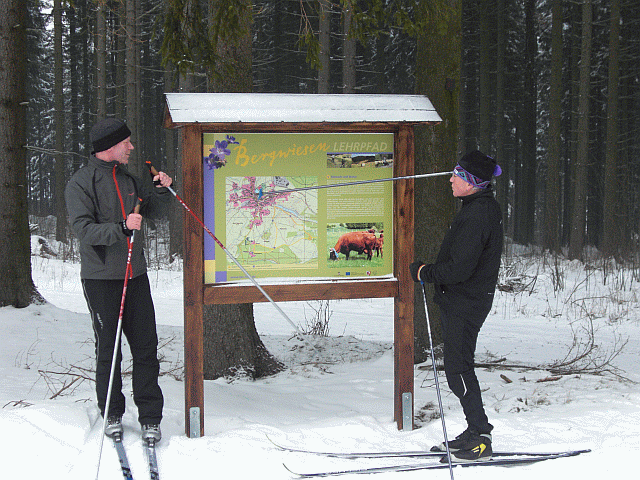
185,108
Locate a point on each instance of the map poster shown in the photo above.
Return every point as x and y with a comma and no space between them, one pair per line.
270,201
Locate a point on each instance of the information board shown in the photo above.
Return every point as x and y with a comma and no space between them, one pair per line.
261,196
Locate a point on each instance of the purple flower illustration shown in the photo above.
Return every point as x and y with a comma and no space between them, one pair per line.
218,154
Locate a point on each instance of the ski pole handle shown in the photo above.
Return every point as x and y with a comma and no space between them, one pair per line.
132,224
154,172
152,169
136,210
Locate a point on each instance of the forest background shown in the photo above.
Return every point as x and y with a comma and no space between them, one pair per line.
550,88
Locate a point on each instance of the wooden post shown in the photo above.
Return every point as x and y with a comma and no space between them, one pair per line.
193,275
403,256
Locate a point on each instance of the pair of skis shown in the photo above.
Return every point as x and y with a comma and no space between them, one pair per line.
150,447
499,459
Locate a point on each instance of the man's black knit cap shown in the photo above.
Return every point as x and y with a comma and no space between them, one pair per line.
107,133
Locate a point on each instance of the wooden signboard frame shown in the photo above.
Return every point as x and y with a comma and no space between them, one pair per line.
197,293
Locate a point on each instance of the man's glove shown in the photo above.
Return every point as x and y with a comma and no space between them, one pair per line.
415,269
126,229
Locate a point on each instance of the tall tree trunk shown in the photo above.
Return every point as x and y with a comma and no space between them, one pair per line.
174,169
119,41
349,52
484,141
75,43
86,84
58,88
437,77
231,342
527,180
232,346
572,133
611,231
578,219
235,55
131,41
552,191
101,61
139,125
469,132
502,186
325,42
16,284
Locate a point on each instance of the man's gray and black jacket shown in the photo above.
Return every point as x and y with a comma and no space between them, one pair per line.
99,197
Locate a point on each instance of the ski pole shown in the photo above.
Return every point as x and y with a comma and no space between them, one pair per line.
116,346
358,182
247,274
435,376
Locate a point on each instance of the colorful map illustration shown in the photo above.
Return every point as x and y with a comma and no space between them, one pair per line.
267,230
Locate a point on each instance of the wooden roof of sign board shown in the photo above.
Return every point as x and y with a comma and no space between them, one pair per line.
279,108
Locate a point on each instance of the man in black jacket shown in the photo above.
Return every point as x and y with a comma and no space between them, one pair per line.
464,276
101,198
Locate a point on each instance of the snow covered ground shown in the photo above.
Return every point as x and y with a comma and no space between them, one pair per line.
49,425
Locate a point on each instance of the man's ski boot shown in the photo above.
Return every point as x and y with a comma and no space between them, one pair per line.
114,426
151,433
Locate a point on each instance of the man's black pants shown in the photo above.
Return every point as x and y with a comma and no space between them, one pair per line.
460,334
139,327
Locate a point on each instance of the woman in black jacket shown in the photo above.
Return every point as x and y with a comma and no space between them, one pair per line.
464,276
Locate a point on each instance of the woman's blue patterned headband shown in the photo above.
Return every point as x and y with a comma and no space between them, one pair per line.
470,178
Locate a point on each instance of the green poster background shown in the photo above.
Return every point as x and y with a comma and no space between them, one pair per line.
274,232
